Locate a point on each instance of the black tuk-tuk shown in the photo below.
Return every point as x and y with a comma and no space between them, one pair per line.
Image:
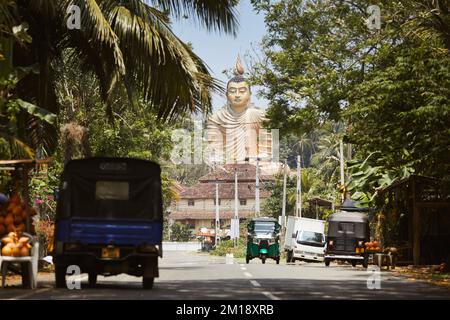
348,231
109,219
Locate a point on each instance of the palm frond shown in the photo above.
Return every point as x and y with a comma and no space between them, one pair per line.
97,46
7,16
18,148
217,15
172,78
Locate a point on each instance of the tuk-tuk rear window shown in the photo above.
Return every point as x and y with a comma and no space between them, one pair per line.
264,227
112,190
104,198
347,227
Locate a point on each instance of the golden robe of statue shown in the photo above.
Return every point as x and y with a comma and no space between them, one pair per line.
235,131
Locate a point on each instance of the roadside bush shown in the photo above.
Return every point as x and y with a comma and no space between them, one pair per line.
226,247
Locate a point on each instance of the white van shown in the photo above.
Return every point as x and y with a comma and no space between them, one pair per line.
305,239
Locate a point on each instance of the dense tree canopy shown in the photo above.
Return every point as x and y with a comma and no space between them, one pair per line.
388,86
125,43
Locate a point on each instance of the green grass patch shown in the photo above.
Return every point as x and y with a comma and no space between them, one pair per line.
441,276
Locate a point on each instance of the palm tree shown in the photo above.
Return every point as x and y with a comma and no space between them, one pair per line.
327,159
125,43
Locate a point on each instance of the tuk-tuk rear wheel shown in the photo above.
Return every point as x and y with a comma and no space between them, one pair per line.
60,276
147,282
92,279
247,259
278,260
327,262
365,262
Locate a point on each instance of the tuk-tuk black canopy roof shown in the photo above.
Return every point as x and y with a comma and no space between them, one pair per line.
111,188
349,217
352,206
122,166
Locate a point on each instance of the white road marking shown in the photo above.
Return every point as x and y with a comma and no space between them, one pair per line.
243,268
247,274
255,283
269,295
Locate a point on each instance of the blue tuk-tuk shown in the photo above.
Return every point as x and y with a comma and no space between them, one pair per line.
109,219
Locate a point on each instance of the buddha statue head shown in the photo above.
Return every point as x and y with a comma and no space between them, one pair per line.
238,89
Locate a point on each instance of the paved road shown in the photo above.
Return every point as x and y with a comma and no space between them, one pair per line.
192,276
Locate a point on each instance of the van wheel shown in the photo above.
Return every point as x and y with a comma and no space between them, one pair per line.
92,279
327,262
147,282
60,276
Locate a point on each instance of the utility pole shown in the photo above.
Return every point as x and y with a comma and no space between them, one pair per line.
257,206
217,213
283,210
236,207
257,210
298,205
341,160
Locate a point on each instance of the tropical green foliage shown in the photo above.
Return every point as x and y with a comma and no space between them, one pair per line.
180,232
313,186
227,247
389,86
127,45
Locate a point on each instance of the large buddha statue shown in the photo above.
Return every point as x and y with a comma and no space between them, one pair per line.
235,131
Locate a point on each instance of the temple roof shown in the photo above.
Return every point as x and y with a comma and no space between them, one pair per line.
205,215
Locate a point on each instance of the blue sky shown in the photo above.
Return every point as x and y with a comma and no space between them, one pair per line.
219,51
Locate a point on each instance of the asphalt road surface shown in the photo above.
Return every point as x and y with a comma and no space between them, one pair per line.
194,276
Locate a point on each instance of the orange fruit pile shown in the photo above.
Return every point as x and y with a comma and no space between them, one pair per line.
16,246
13,217
374,246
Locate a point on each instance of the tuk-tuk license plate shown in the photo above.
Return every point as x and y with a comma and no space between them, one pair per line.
111,253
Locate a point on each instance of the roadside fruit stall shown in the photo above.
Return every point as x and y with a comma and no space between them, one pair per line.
381,256
19,245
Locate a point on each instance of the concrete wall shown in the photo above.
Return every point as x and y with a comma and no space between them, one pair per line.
181,246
